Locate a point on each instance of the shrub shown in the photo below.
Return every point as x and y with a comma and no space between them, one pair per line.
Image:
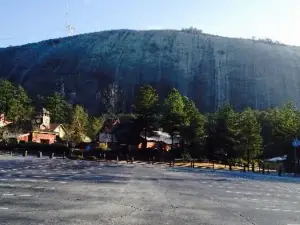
76,157
91,158
77,152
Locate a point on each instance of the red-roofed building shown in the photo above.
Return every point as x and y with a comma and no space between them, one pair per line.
40,130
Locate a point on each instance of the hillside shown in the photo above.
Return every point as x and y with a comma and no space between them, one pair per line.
209,69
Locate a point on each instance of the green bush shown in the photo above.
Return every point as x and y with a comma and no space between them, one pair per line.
77,152
186,156
76,157
92,158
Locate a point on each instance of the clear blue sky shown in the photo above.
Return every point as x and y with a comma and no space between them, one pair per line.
23,21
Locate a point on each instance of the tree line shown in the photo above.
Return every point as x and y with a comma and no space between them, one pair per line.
19,108
226,134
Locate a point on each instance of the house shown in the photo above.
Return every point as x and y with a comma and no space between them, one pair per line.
59,129
105,135
159,140
38,130
3,121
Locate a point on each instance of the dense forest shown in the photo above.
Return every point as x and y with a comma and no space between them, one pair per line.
227,135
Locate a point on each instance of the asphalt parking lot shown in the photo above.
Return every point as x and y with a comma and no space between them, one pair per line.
57,191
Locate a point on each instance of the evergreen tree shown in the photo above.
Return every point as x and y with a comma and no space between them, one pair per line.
14,102
94,125
145,106
250,136
193,128
223,134
58,107
173,113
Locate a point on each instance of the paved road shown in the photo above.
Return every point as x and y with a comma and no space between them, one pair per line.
43,191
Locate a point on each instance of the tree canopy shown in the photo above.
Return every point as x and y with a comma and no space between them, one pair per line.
226,134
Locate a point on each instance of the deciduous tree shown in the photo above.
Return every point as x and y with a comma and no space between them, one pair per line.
78,126
14,102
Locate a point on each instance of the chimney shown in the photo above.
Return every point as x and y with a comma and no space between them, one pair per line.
2,120
45,118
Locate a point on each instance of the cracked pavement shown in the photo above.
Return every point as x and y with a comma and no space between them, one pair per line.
57,191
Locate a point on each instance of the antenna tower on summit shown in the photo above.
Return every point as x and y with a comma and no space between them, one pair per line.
70,27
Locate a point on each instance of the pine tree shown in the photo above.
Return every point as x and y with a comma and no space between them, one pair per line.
146,106
250,136
94,125
222,129
173,113
58,107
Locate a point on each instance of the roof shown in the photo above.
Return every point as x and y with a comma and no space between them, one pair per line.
109,125
277,159
51,129
24,127
159,136
53,126
8,135
44,132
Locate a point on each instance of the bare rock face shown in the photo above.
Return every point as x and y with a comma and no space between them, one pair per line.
209,69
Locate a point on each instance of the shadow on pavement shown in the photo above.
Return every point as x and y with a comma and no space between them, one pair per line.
239,174
61,170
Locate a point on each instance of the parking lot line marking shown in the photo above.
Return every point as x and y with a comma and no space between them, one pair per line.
8,194
265,209
62,182
3,208
25,195
287,210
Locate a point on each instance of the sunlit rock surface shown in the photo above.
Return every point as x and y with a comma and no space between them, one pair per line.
209,69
